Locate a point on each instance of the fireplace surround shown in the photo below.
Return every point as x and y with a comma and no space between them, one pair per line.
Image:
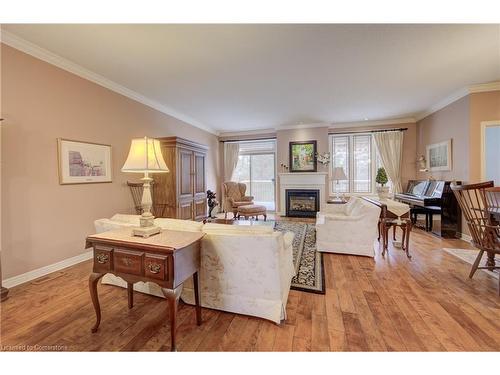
302,202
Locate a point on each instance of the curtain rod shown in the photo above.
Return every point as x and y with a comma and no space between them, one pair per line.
370,131
248,140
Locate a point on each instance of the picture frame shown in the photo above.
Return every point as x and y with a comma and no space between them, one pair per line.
83,162
302,156
439,156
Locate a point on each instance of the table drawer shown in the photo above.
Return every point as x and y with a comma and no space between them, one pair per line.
156,267
127,261
103,258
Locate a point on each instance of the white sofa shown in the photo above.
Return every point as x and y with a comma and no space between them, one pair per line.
349,228
244,269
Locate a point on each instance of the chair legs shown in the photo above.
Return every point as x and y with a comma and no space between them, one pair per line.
476,264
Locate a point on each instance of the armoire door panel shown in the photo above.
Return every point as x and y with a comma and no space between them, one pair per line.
200,209
199,173
185,173
185,210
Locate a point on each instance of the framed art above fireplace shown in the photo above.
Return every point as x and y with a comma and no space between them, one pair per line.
303,156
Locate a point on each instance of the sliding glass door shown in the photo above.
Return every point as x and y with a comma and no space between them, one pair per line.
256,169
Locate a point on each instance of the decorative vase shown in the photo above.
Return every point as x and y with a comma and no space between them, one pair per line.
383,192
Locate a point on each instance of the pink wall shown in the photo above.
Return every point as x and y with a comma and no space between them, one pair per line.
44,222
450,122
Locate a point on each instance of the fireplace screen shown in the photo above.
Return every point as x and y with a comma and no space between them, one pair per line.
302,203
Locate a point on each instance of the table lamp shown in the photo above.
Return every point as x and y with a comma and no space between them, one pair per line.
145,157
338,174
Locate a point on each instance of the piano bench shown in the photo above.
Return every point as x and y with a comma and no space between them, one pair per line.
414,211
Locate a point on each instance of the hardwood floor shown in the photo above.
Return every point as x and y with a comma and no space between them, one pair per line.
391,304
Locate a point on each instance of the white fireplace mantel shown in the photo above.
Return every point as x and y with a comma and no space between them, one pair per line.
302,180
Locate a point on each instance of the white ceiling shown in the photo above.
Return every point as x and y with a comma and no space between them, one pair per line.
248,77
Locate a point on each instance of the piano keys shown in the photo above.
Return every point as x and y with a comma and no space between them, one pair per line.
434,197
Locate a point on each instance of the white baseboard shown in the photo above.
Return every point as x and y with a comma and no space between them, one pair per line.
39,272
465,237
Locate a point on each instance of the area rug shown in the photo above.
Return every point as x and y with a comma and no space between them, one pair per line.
469,256
308,263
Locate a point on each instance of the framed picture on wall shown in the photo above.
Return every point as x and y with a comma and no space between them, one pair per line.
303,156
83,162
439,156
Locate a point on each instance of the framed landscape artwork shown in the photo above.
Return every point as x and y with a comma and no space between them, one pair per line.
83,162
303,156
439,156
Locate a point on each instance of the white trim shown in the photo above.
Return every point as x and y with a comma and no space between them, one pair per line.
443,103
484,125
484,87
39,272
32,49
303,126
248,132
356,124
465,237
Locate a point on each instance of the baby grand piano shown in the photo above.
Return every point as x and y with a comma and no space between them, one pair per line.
434,197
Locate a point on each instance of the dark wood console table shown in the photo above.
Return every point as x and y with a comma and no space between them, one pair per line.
167,259
387,220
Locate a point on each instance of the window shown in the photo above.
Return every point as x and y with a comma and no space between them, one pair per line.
256,169
357,155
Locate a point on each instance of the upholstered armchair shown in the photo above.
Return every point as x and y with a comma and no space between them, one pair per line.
234,196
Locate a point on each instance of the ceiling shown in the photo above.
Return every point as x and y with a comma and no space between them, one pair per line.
249,77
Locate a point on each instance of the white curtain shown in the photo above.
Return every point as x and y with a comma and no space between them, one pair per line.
390,149
231,153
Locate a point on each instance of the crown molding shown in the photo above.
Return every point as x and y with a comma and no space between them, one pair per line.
303,126
484,87
247,132
40,53
443,103
356,124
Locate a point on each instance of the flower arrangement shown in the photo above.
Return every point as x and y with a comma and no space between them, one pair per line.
323,158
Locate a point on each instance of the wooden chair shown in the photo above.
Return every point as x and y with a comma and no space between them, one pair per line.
480,207
136,188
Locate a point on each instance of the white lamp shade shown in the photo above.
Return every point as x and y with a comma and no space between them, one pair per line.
145,156
338,174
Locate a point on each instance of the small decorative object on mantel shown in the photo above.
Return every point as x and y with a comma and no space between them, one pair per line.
323,158
284,167
212,202
439,156
303,156
145,157
83,162
382,190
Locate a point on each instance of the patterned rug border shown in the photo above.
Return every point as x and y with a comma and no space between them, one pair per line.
319,287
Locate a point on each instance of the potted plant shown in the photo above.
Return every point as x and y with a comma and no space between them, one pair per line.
382,190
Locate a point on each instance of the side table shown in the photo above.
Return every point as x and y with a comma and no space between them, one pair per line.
167,259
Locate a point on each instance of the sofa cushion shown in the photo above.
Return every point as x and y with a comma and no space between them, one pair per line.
126,218
243,229
177,224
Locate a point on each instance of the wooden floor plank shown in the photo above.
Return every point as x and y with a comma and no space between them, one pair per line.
384,303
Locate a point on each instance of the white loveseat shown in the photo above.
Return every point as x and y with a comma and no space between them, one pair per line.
244,269
349,228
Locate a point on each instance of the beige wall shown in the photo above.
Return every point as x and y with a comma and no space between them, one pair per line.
450,122
484,106
44,222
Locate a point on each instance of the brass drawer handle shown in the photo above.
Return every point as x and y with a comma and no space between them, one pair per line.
102,258
127,261
154,267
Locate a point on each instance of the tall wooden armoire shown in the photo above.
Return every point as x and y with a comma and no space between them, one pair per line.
183,190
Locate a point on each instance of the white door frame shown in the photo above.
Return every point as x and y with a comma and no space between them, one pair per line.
484,125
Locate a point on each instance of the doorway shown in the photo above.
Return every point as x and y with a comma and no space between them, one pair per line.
256,168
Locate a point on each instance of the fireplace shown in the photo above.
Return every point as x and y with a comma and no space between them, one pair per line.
302,203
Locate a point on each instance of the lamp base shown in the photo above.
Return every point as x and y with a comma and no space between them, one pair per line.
146,232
